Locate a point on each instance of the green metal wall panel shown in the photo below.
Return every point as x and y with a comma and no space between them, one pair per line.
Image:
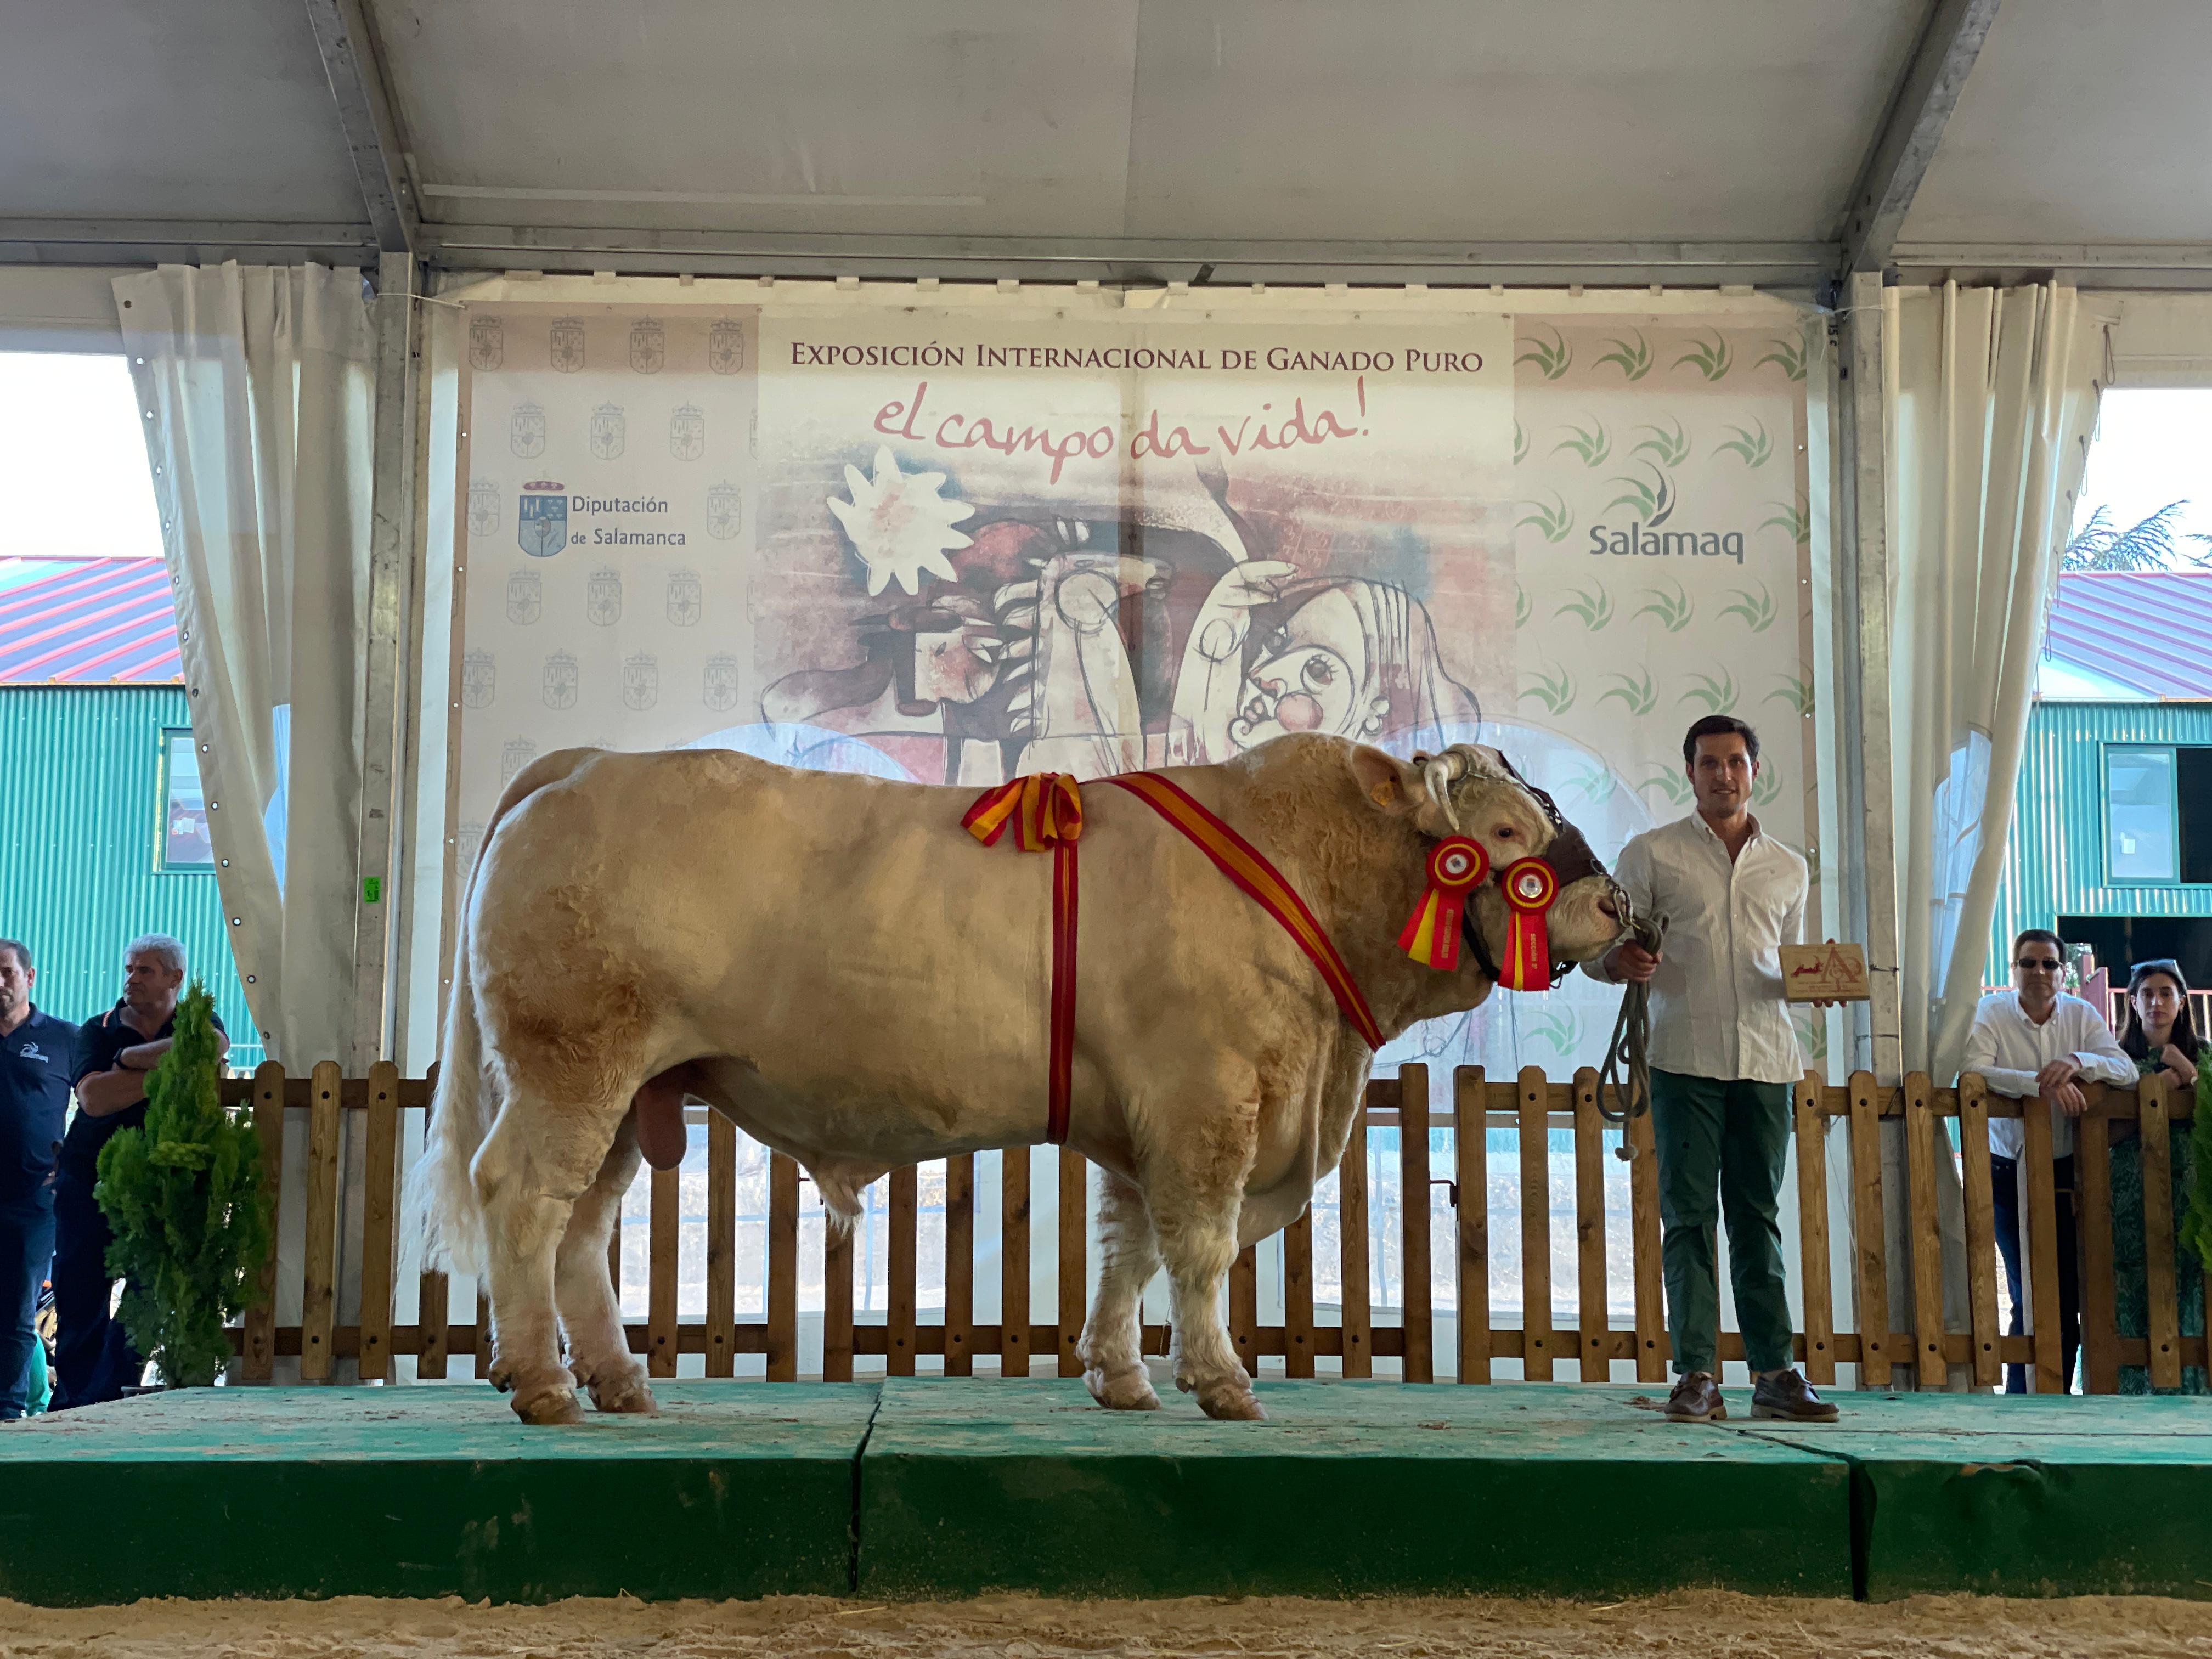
2055,862
80,774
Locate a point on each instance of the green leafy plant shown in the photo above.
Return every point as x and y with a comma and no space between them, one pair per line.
1595,607
1751,442
1796,693
1768,788
1634,361
1558,1029
1668,448
1555,690
1550,360
1792,518
1813,1036
2152,543
1669,781
1710,358
2196,1225
1636,692
1653,503
1521,607
1672,610
1790,354
1591,785
1718,696
1520,444
1593,445
1757,610
1556,520
184,1197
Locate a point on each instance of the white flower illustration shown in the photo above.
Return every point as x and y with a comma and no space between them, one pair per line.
899,525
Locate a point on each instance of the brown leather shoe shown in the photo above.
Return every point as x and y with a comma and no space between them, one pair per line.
1696,1399
1787,1397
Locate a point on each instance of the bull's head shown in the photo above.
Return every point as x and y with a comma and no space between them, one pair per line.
1472,791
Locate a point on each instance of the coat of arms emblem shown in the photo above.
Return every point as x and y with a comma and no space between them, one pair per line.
648,346
479,679
726,512
526,598
542,520
726,346
752,435
641,683
487,342
467,838
567,345
558,686
722,692
483,507
525,432
687,433
609,431
513,756
602,599
686,598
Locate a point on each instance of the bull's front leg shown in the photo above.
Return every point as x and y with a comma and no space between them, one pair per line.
1113,1337
1193,1187
583,1287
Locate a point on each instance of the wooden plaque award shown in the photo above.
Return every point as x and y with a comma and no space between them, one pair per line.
1824,973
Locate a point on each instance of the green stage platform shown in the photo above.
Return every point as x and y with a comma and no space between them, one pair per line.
935,1488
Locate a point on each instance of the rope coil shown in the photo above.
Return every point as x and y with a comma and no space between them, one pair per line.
1627,1067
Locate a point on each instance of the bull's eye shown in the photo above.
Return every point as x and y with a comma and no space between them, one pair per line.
1505,833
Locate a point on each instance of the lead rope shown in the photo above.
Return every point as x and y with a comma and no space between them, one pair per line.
1629,1051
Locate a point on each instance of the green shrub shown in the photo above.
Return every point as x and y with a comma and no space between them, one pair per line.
2196,1225
183,1195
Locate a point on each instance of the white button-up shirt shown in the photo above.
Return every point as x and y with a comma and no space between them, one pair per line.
2009,1048
1717,1004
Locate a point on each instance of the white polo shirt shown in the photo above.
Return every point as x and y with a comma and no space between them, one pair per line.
2009,1048
1717,1004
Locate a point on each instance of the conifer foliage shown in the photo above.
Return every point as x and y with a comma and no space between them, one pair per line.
184,1197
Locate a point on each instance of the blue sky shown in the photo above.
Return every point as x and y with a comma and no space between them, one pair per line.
2153,446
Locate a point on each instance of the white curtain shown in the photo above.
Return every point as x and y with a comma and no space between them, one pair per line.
256,384
1992,395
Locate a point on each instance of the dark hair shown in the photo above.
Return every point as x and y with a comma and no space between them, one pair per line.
1719,726
22,952
2133,1042
2028,933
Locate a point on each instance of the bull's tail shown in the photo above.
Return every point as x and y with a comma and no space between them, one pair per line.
443,1209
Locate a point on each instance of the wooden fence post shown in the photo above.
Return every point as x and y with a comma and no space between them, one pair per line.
318,1297
2101,1331
260,1322
1351,1244
1871,1253
664,1226
2158,1232
1590,1302
1929,1369
722,1246
2042,1246
1820,1302
782,1269
836,1302
899,1339
1413,1212
960,1265
1470,1144
1981,1228
1536,1225
1644,1248
433,1333
1298,1295
1073,1264
1014,1262
380,1201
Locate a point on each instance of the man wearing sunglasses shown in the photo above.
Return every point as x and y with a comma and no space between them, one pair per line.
2037,1043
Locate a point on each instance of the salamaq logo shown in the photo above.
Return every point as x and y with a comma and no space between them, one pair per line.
1667,544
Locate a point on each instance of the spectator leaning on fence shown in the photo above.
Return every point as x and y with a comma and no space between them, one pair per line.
1723,1057
36,1064
2159,1037
2036,1042
92,1357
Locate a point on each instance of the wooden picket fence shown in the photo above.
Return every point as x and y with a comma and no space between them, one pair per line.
1531,1104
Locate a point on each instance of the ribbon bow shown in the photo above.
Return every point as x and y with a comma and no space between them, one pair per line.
1530,886
1045,808
1457,865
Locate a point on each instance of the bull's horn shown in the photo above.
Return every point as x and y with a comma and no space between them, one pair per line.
1439,772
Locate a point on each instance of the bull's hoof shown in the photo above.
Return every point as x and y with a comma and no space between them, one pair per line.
629,1394
1130,1390
555,1403
1230,1403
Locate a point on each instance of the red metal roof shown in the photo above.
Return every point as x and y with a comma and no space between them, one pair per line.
2150,629
87,622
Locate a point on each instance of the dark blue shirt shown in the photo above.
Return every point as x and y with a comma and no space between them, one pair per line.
38,1064
98,1044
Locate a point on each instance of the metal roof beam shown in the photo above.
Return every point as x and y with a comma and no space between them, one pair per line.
372,132
1910,129
152,241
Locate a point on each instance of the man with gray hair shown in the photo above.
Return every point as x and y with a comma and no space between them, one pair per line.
93,1359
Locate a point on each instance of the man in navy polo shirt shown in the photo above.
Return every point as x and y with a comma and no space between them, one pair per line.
93,1359
37,1056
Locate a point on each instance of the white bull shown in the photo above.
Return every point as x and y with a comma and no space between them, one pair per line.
832,963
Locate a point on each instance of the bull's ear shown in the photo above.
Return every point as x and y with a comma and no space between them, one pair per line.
1387,781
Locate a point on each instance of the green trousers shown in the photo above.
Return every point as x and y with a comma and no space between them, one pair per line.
1722,1148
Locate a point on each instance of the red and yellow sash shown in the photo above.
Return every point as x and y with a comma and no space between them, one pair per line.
1046,810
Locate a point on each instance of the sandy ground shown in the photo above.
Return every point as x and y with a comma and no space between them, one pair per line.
1701,1623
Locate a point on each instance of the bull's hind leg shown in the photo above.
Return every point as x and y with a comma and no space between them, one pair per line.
591,1309
1193,1187
533,1166
1112,1338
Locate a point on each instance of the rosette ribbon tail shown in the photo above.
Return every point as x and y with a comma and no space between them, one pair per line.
1530,887
1457,865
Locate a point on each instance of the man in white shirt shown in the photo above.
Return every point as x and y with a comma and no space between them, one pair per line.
2037,1043
1723,1057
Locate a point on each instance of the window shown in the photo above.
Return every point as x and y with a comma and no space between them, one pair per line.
181,841
2158,813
